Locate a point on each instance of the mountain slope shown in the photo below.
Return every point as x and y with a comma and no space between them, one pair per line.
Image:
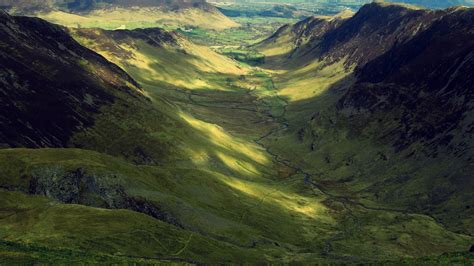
373,30
128,202
399,97
52,97
428,96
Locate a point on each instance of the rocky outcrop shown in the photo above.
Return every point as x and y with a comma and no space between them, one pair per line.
91,188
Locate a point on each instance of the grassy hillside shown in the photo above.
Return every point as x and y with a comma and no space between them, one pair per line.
124,14
123,18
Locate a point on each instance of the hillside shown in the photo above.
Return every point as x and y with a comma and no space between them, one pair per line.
391,91
112,14
53,97
351,144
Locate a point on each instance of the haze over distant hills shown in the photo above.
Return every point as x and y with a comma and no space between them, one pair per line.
425,3
84,5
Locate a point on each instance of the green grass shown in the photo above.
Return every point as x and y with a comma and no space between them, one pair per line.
251,58
28,254
250,31
106,234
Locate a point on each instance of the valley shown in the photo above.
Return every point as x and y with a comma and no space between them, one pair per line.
299,147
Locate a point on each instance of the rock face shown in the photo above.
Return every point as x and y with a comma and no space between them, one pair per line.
53,85
77,186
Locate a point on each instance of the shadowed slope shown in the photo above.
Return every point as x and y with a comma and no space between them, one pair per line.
407,106
53,85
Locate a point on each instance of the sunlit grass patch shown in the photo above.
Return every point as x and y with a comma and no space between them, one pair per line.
185,65
278,195
219,137
311,80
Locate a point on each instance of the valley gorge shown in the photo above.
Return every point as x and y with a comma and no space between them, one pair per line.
350,142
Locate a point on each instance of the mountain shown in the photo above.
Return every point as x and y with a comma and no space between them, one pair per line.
123,13
384,75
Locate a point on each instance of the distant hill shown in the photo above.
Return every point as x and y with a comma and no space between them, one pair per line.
115,13
283,11
85,5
